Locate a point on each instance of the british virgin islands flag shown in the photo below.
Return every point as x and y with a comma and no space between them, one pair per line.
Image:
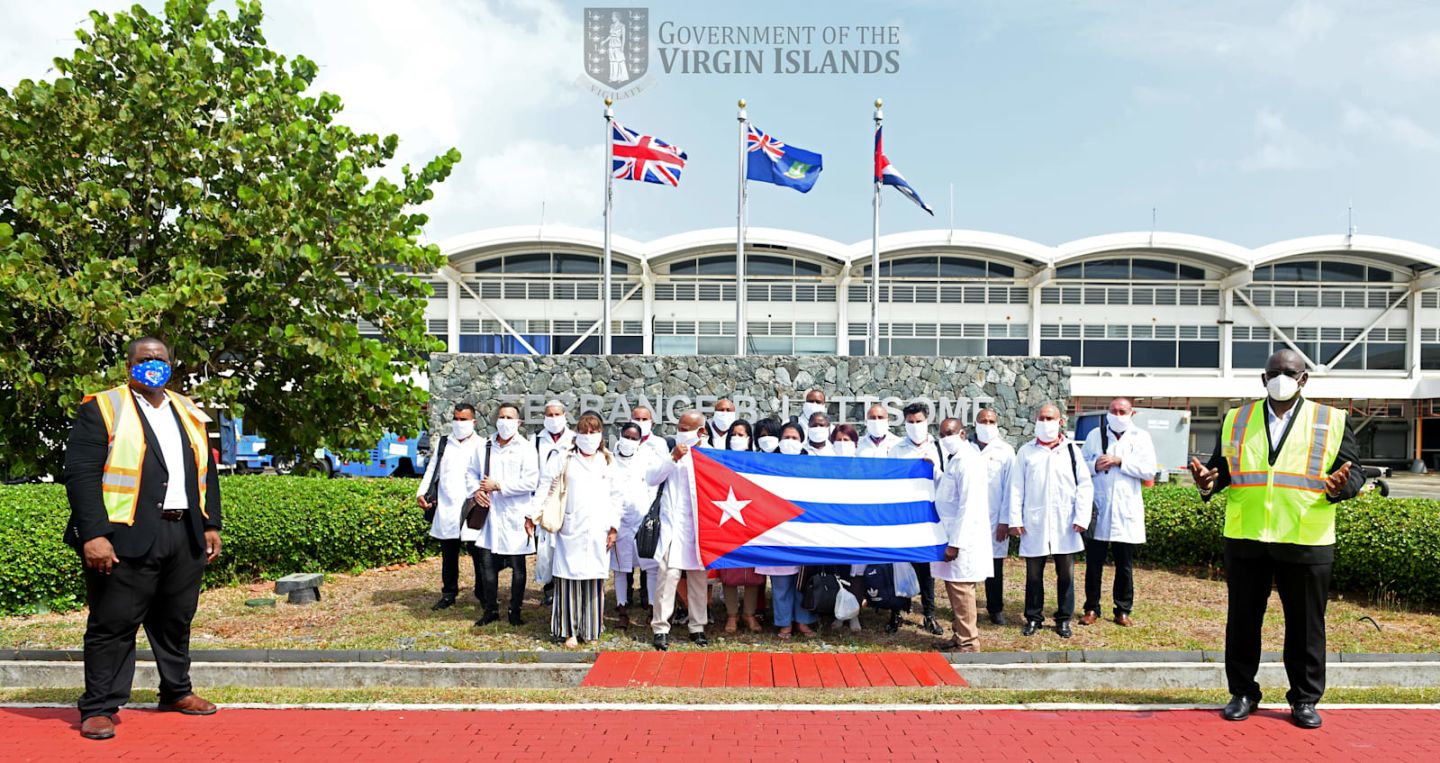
758,509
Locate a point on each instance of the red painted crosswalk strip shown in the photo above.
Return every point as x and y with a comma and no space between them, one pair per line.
763,670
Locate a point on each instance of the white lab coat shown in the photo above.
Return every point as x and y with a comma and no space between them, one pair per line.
963,503
638,497
710,438
999,458
1119,501
548,457
928,450
513,466
679,540
593,493
452,493
1048,497
868,448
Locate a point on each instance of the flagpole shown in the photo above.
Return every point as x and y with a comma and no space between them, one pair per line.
740,240
875,252
605,266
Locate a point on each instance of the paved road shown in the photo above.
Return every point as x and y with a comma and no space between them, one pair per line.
393,736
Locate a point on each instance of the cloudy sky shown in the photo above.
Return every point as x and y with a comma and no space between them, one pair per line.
1247,120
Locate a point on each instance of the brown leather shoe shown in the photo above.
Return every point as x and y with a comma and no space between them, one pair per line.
1124,620
97,727
1089,618
190,704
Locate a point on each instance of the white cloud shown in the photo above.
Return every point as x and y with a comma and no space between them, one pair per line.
511,185
1414,57
1393,127
1282,147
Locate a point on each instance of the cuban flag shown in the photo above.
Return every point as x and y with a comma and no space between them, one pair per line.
644,157
886,173
763,509
768,160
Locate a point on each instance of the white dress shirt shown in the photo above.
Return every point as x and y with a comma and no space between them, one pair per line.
172,448
1276,423
869,448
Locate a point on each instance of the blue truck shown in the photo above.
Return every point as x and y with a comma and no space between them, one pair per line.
245,453
394,456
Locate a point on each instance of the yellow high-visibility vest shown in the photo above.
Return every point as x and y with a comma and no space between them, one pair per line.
1283,503
120,485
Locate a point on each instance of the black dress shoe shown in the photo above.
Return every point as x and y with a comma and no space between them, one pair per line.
487,618
515,618
1030,628
1240,708
1062,629
892,627
998,618
699,639
933,627
447,601
661,642
1304,716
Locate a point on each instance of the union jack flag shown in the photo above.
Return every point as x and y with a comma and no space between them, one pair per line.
759,141
644,158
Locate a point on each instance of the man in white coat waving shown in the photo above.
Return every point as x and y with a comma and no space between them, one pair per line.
1120,457
963,503
1050,495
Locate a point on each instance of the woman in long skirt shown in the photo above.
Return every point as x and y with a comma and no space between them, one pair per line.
594,494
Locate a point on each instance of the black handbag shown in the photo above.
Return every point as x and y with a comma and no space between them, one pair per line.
647,537
432,493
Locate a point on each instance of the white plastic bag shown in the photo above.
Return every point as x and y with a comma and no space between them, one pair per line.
544,550
907,583
846,605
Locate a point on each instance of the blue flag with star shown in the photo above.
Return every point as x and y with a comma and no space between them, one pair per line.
770,161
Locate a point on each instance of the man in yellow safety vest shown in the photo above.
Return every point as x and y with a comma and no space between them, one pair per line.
145,517
1286,462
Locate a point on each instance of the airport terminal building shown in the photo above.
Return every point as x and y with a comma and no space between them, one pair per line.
1173,320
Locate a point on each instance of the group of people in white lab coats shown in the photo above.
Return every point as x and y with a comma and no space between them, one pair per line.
986,493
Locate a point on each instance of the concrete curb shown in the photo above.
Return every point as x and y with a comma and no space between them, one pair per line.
1061,676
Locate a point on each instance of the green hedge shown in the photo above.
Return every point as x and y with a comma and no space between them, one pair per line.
273,526
1388,548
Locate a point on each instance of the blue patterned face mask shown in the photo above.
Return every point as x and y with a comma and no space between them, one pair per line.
151,373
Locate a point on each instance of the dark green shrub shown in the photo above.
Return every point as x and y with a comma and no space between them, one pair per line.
273,526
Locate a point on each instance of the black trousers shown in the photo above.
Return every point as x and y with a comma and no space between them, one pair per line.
488,566
995,589
1124,589
450,568
1035,587
1304,592
159,591
927,588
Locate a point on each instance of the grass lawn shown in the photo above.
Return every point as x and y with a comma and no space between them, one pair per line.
390,609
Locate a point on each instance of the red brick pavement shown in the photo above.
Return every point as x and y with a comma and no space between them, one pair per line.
756,669
393,736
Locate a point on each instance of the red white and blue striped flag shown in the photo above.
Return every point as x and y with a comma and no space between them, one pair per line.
762,509
886,174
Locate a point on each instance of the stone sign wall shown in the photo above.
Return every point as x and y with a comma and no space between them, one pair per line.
760,386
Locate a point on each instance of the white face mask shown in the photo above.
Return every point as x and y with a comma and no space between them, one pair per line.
916,431
1047,431
626,447
739,443
987,432
587,443
462,429
951,443
769,443
506,428
645,427
1118,424
877,428
844,448
1282,388
723,420
687,438
809,409
818,434
555,424
791,447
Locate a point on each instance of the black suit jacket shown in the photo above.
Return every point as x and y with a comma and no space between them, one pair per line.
85,454
1290,552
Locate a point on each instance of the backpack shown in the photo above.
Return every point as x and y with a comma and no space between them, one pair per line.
878,585
818,592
